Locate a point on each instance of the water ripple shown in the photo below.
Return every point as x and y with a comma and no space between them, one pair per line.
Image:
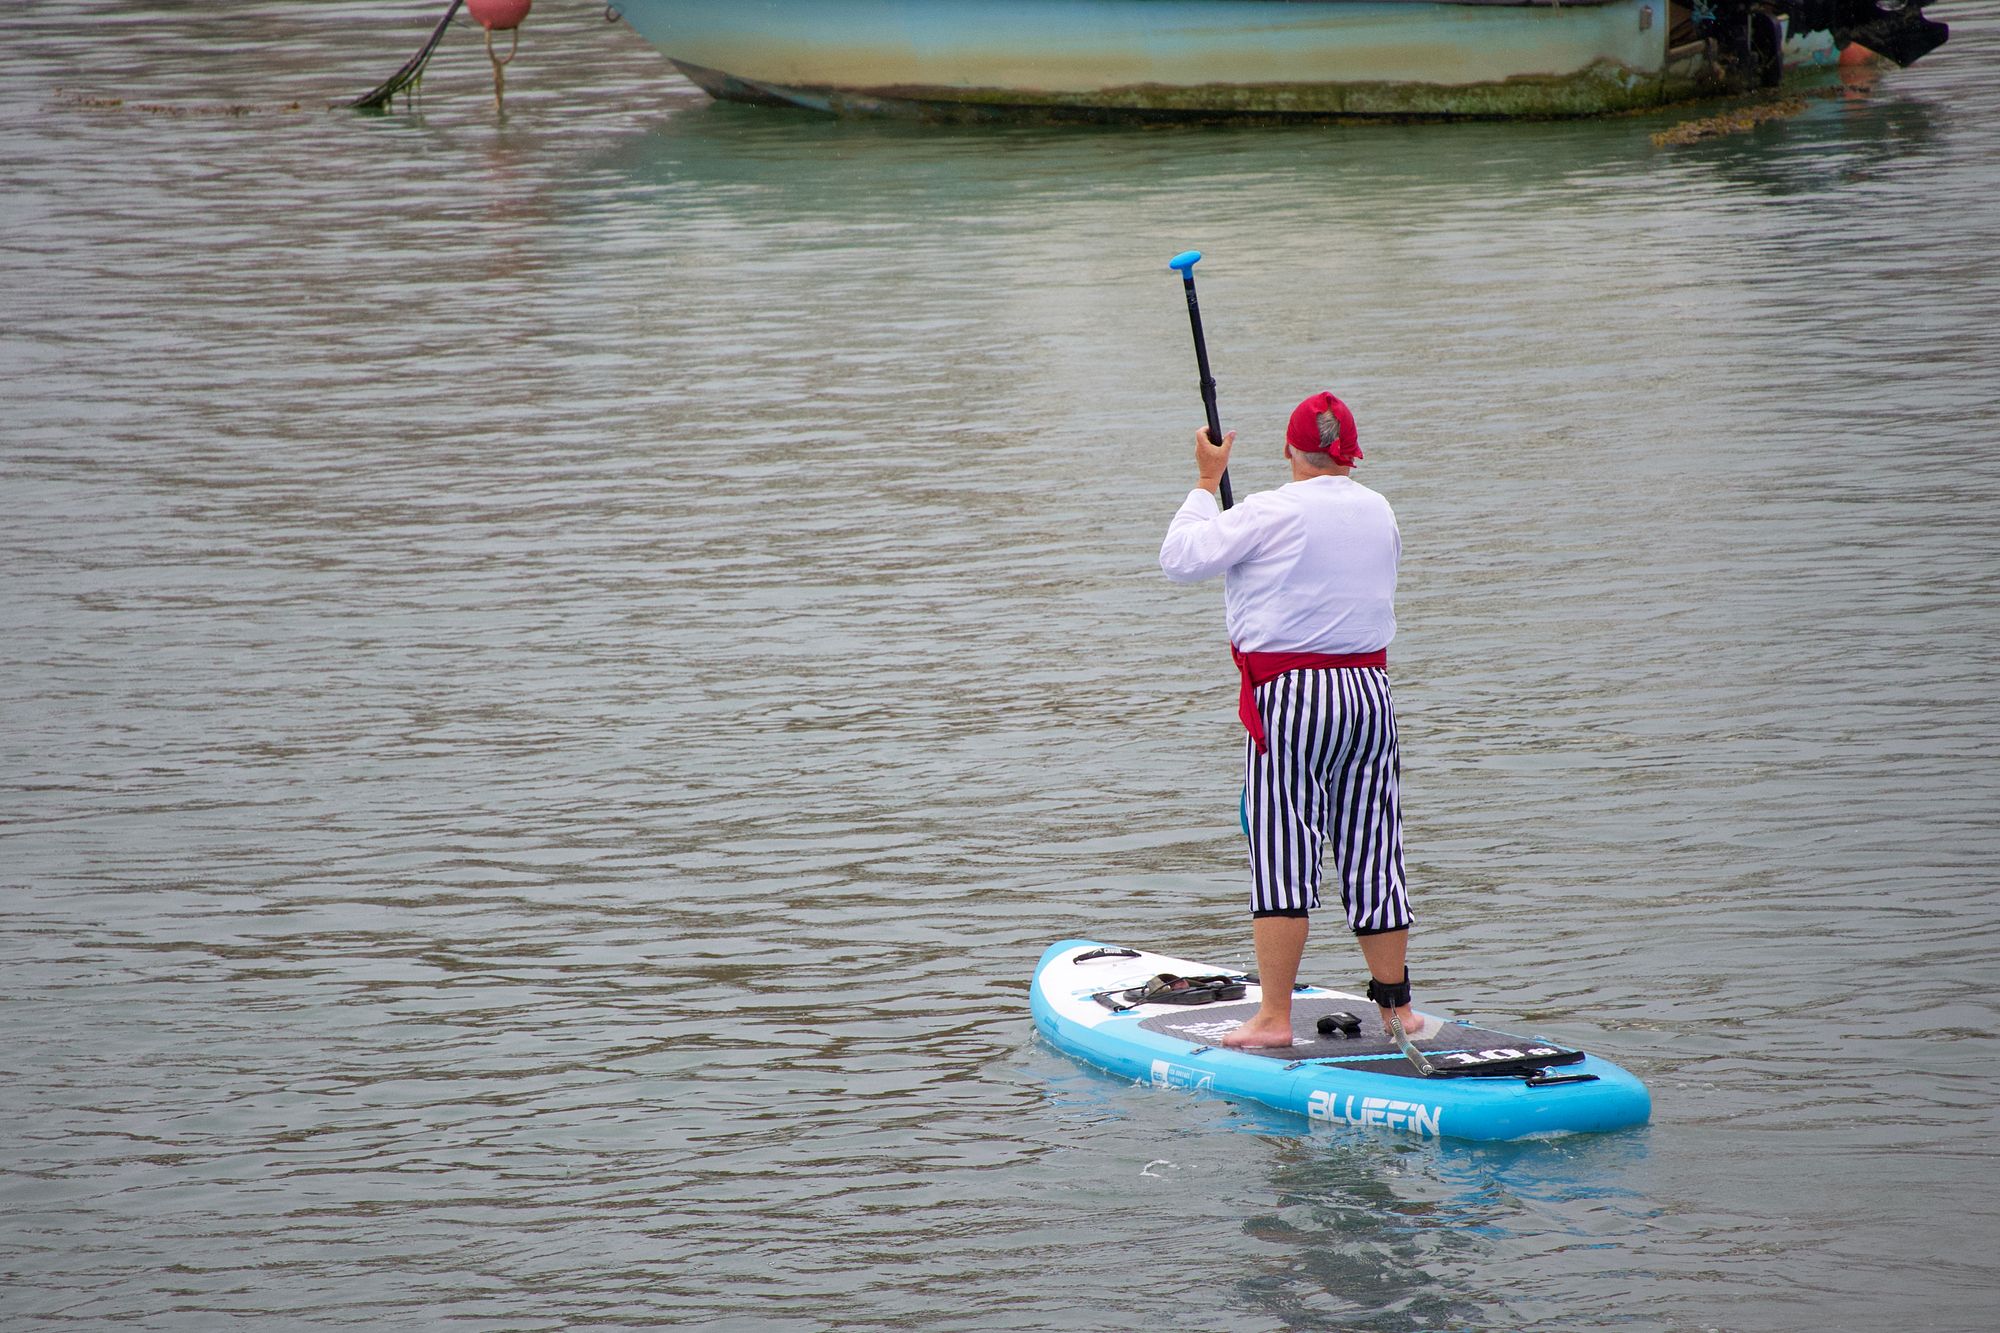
559,674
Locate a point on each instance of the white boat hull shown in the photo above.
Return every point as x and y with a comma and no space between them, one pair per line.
1108,59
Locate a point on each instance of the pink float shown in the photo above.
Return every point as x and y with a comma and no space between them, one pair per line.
498,15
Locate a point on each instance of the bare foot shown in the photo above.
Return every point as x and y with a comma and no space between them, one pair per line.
1260,1033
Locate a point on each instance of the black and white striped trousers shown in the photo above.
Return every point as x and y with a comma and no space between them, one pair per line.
1327,783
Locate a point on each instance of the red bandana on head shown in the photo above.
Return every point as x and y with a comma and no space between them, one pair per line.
1322,424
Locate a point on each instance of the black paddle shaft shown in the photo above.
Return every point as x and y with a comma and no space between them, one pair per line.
1207,380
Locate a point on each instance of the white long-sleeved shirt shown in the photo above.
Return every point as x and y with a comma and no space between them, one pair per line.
1310,567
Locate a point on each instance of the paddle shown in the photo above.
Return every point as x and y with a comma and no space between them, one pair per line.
1184,263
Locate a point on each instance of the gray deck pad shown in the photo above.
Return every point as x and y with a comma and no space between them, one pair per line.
1207,1024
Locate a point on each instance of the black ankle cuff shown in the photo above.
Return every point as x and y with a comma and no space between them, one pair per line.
1388,994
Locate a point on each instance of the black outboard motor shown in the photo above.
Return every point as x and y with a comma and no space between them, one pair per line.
1896,29
1749,45
1901,33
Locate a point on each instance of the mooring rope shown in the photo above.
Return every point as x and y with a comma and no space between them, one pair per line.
411,75
500,67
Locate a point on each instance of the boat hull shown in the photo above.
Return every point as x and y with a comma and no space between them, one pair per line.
1188,59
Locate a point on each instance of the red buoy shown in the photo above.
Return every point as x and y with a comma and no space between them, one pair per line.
498,15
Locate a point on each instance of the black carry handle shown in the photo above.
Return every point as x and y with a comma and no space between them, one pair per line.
1183,264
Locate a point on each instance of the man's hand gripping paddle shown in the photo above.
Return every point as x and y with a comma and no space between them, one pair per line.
1183,264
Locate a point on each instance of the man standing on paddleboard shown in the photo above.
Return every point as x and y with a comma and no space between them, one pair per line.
1309,592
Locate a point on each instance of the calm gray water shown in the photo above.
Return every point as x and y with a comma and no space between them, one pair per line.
558,675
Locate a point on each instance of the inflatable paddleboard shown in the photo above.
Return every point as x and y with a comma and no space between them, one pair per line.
1104,1004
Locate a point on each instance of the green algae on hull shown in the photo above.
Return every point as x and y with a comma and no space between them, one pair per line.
1601,89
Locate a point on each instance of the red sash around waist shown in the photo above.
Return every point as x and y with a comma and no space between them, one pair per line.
1256,668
